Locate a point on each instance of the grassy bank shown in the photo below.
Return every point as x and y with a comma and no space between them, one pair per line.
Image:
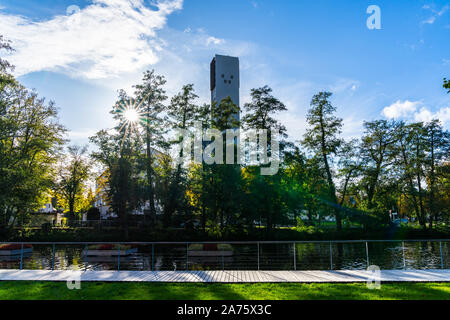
36,290
286,234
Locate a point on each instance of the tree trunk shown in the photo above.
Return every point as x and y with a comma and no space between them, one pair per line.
433,213
151,196
330,179
410,183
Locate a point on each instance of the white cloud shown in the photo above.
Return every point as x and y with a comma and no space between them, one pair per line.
407,110
343,84
400,109
436,13
425,115
430,20
104,39
214,40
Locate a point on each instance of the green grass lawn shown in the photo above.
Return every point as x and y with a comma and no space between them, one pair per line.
41,290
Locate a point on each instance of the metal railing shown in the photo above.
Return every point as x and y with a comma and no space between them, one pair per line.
232,255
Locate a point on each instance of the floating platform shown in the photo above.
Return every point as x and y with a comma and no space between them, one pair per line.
109,253
208,253
15,250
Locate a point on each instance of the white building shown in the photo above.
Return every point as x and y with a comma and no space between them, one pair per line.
225,79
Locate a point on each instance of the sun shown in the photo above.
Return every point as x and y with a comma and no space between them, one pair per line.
131,115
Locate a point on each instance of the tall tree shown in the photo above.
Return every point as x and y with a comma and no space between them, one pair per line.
262,109
261,112
121,156
322,137
151,95
378,153
183,113
73,175
30,139
350,165
406,165
438,149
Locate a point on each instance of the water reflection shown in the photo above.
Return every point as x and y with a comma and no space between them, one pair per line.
266,256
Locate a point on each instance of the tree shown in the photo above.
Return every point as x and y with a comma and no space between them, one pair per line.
182,114
406,163
377,152
446,85
198,174
151,96
267,190
261,111
5,66
322,138
421,148
122,158
437,143
73,176
350,165
223,187
30,139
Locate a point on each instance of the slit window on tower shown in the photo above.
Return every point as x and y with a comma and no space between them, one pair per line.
213,74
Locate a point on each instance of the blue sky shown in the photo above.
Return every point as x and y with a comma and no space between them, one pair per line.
79,53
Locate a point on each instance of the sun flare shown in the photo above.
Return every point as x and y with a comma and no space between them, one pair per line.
131,115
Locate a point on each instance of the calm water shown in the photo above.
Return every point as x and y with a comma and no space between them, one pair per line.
308,256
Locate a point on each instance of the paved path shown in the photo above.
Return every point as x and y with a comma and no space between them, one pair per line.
228,276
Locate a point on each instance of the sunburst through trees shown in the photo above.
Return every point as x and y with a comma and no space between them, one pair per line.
131,117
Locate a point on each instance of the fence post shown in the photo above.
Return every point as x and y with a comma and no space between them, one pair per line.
404,258
367,254
442,258
331,256
257,245
85,256
223,262
187,256
21,256
295,262
53,258
153,255
118,259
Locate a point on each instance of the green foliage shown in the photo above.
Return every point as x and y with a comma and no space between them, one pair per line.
322,138
261,109
5,66
30,139
73,174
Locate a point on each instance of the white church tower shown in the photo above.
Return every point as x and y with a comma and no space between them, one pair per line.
225,79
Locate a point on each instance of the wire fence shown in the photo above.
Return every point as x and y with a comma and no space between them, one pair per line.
263,255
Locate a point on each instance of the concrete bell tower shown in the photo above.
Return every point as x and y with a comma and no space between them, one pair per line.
225,79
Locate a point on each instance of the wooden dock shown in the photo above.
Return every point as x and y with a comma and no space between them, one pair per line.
228,276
